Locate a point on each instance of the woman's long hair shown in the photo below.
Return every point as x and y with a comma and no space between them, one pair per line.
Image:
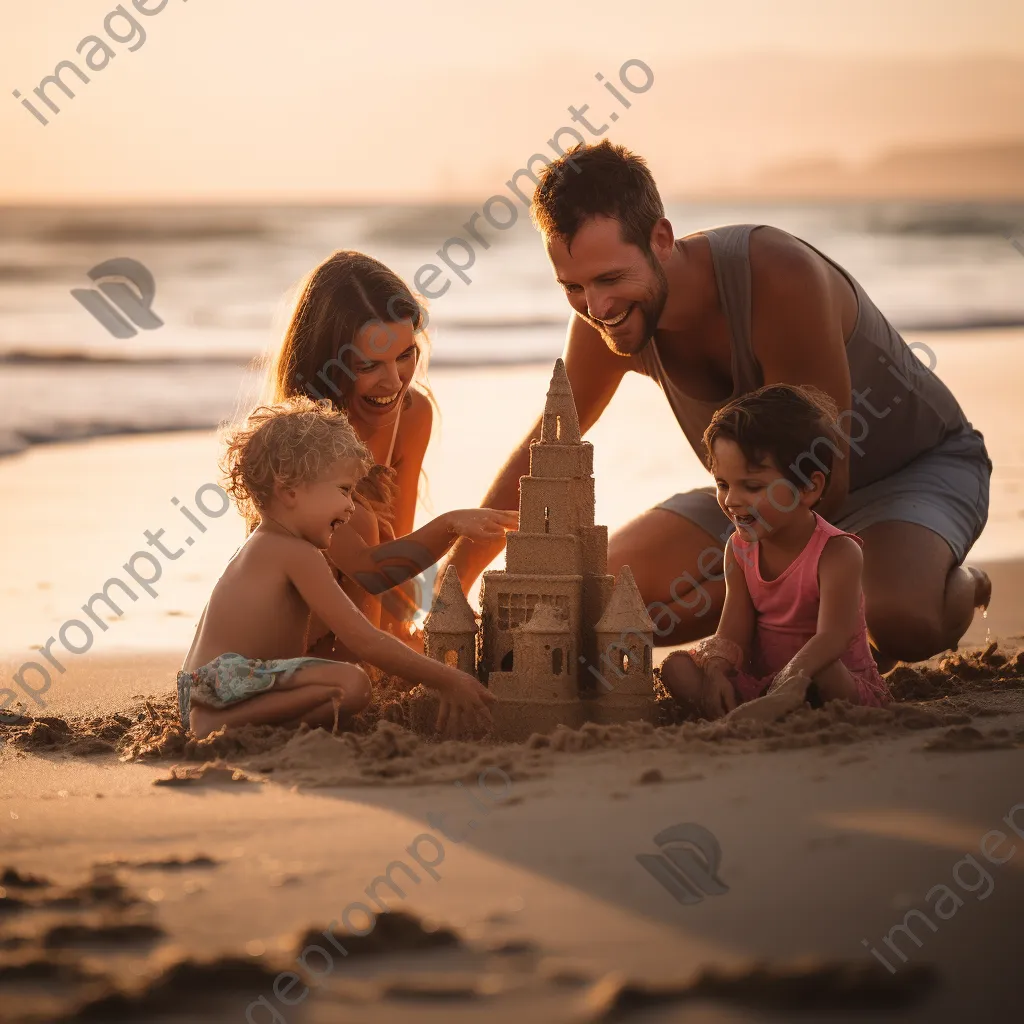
341,296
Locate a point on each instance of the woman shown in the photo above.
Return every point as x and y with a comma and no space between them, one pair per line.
356,338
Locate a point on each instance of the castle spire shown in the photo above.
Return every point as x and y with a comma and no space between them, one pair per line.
626,610
451,612
561,425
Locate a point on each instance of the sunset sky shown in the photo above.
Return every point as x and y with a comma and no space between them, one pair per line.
315,99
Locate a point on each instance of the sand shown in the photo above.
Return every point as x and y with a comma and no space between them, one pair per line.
153,878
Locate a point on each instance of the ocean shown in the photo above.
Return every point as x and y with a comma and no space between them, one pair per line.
225,277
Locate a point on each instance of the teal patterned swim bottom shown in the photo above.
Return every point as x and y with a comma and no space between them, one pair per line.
231,678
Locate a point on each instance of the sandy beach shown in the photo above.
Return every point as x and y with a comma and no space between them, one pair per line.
165,890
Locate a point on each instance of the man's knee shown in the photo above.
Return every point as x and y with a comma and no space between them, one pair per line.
904,631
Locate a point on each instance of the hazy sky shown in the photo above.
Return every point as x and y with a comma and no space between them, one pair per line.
318,98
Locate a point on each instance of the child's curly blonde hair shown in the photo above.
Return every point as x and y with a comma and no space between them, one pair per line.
291,443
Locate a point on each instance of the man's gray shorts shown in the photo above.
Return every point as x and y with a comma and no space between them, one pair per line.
945,490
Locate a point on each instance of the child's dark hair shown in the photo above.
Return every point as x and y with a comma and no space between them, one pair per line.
786,423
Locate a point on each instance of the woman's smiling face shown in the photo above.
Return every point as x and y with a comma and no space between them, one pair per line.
382,359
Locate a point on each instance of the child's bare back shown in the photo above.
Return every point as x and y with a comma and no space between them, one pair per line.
254,609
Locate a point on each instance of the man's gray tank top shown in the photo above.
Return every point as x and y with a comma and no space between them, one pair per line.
922,410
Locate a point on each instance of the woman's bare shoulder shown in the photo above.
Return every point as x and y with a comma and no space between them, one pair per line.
419,412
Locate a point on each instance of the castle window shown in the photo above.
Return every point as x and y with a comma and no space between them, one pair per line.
547,519
647,658
451,659
558,428
515,609
556,661
624,661
506,662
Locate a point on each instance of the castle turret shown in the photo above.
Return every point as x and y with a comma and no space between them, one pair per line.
561,425
542,648
449,632
625,637
542,692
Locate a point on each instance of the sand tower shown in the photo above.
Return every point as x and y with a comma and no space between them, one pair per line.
625,638
449,631
539,649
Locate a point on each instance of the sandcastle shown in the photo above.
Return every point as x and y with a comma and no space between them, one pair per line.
559,641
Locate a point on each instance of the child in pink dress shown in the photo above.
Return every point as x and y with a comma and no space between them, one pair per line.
793,619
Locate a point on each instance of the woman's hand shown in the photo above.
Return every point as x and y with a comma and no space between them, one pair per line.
481,524
464,703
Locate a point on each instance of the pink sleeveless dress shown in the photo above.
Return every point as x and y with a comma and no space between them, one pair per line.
787,617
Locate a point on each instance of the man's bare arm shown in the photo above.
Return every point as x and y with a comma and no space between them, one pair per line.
798,339
594,373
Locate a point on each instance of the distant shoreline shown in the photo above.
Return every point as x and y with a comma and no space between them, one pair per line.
15,439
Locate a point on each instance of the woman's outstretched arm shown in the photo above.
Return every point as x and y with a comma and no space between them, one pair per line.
384,566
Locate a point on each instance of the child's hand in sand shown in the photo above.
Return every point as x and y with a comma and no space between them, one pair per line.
785,695
481,524
718,697
463,704
789,678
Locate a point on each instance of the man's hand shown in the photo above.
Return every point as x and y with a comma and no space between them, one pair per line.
718,697
481,524
463,704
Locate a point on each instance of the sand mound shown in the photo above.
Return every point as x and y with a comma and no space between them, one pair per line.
208,775
391,753
184,987
67,963
396,932
802,986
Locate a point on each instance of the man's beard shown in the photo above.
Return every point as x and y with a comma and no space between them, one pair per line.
650,310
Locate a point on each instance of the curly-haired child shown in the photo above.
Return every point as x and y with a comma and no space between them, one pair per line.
296,466
793,619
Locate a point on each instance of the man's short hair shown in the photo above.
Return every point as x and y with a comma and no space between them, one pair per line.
604,180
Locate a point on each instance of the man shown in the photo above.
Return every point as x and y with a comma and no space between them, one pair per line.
720,313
